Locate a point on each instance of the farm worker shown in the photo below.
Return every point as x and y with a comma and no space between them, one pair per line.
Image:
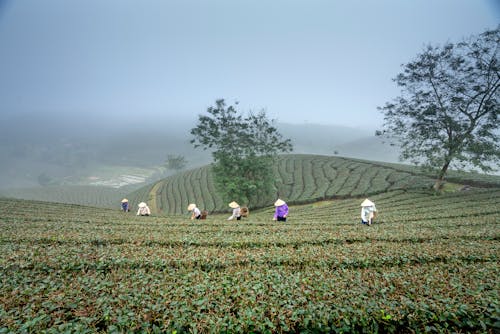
281,211
368,212
125,207
143,209
195,212
236,211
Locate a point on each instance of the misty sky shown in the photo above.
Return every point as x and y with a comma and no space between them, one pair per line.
318,61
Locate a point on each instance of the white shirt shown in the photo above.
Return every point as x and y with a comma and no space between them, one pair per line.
236,213
196,212
143,211
367,212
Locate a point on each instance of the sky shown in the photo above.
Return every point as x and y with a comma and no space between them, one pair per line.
143,62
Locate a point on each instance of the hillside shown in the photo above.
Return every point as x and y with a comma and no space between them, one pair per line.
300,179
429,263
96,196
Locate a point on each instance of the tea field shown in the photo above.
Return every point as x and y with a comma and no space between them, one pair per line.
428,264
99,196
300,178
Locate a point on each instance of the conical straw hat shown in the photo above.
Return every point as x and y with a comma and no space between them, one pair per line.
124,200
142,205
367,202
191,206
279,202
233,205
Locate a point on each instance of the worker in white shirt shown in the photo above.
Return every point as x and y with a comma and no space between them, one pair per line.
368,212
236,211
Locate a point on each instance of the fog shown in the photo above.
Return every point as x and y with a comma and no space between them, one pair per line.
93,88
323,62
70,150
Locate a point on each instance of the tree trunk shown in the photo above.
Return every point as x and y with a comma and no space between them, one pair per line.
438,185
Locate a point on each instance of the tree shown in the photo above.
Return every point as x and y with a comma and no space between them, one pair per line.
175,162
243,148
447,113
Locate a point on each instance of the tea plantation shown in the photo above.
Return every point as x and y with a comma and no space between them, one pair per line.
301,178
428,264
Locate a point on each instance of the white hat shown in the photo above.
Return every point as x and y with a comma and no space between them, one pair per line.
233,205
142,205
191,206
279,202
367,202
124,200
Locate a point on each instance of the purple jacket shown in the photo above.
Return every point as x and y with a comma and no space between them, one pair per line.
281,211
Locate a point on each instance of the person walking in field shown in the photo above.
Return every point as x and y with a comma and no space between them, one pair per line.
143,210
195,212
281,211
368,212
236,211
125,206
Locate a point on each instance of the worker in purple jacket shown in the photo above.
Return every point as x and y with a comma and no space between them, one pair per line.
281,211
125,206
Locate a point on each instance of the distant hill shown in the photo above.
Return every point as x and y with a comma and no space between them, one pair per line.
338,140
65,150
61,148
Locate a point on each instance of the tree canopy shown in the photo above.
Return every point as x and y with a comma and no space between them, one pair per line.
175,162
447,113
243,148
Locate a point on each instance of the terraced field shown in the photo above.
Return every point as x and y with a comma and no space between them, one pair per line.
300,179
428,264
98,196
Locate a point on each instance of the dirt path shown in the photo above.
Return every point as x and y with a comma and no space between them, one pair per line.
153,196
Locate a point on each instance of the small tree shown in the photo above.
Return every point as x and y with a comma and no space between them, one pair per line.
175,162
447,113
243,151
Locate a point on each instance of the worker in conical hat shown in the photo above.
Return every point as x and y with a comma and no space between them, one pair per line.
195,212
281,211
236,211
368,212
143,209
125,206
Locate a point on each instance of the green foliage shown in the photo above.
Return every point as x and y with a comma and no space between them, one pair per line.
246,180
447,114
175,162
428,264
242,148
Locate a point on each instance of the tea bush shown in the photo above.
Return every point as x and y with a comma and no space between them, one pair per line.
428,264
